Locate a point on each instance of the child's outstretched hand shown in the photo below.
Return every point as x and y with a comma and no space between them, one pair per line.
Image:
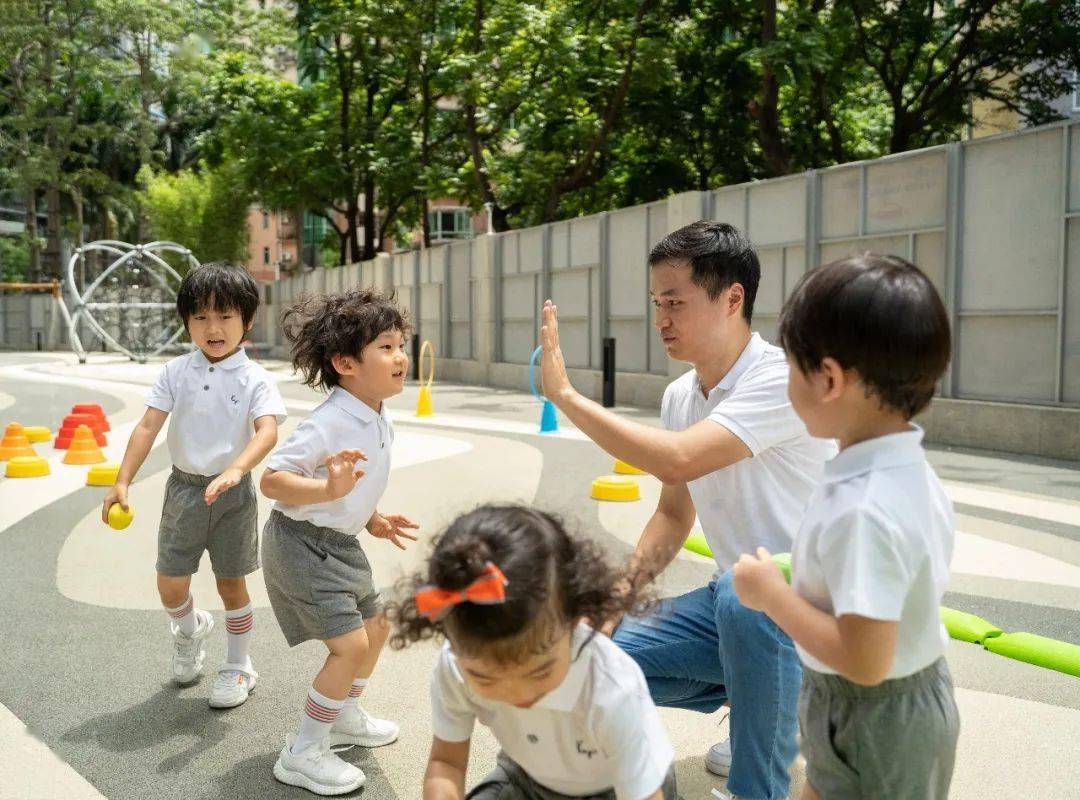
757,579
341,472
221,484
556,382
392,526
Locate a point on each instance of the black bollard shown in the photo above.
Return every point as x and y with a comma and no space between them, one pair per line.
609,373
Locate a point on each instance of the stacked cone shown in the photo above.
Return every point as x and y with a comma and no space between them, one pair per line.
15,443
83,448
71,424
95,411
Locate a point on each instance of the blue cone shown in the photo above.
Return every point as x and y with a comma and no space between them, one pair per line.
549,423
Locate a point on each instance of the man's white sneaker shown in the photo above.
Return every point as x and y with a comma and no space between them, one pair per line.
190,651
718,759
233,685
356,726
317,769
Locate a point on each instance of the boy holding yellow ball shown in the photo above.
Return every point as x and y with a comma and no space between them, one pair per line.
225,414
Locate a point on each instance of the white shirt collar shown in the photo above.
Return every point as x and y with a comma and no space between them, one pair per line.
564,697
236,360
754,349
882,452
352,405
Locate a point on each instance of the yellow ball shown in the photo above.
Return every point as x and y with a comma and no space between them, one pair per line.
118,518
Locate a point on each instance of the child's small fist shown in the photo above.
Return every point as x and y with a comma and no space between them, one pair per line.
757,579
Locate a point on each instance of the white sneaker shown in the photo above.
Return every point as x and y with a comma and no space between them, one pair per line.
356,726
190,651
317,769
233,685
718,759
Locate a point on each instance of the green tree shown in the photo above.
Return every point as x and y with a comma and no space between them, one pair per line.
203,210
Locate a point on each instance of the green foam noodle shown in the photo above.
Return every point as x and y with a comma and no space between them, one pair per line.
1038,650
966,627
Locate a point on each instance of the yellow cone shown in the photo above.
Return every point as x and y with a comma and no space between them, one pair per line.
424,406
622,468
615,488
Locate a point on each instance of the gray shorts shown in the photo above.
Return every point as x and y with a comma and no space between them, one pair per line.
318,579
508,781
228,529
894,740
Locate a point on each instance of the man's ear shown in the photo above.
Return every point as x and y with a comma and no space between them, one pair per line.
736,298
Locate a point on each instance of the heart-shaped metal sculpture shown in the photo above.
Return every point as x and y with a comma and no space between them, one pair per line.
131,304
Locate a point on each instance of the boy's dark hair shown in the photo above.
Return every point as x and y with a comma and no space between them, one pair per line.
220,286
321,326
553,579
878,315
719,256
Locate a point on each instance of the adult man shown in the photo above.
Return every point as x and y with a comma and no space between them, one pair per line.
734,452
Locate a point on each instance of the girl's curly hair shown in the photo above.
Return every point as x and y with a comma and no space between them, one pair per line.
321,326
553,579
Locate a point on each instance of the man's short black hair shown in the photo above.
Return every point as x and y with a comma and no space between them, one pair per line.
878,315
719,256
220,286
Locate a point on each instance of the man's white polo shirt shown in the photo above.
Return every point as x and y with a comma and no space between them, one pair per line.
341,422
597,731
759,501
877,541
212,408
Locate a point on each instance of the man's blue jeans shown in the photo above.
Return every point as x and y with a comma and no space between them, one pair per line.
704,648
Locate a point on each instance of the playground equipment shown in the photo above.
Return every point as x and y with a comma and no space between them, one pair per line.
118,518
95,411
615,488
549,421
131,305
15,444
424,406
26,467
102,475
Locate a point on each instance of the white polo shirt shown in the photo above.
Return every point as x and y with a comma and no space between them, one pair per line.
759,501
341,422
877,541
213,408
597,731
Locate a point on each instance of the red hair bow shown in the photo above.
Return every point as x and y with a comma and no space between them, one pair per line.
489,588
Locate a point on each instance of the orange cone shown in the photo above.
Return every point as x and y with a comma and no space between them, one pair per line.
94,410
83,448
73,421
15,443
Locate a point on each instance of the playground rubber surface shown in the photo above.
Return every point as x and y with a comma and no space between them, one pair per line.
87,709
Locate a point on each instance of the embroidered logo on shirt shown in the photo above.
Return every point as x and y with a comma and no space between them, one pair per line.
235,402
533,738
584,750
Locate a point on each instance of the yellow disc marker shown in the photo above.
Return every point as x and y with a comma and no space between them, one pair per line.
27,467
622,468
118,518
615,488
424,406
102,475
38,433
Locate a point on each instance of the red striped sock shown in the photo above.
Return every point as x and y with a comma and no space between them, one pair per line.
238,625
357,689
184,616
319,715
